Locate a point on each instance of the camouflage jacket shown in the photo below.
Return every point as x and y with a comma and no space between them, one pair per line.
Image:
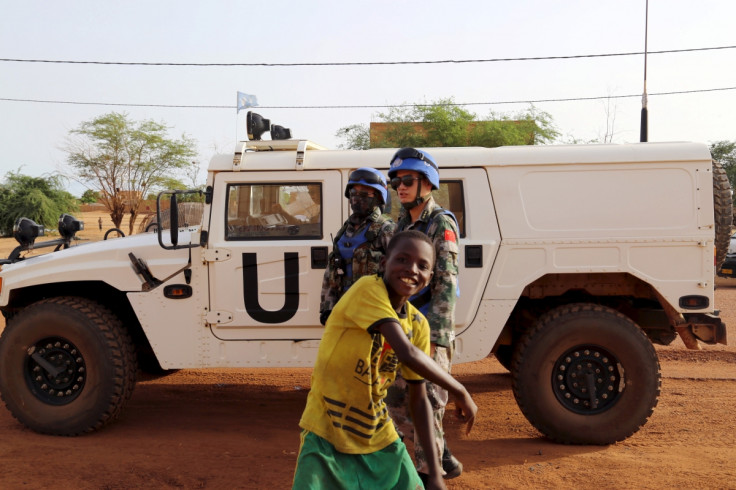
444,233
366,257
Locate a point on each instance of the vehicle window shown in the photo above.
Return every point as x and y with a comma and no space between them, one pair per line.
449,196
274,211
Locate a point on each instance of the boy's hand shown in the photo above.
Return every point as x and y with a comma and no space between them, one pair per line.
465,408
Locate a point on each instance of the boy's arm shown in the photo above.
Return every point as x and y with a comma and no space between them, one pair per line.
419,362
421,414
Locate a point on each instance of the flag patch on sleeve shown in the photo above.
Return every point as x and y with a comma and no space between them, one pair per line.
450,236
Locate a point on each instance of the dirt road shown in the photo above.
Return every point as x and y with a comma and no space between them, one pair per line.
238,429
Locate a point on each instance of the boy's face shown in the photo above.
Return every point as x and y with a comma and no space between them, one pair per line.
408,268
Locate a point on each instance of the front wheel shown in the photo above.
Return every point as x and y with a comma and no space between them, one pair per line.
586,374
67,366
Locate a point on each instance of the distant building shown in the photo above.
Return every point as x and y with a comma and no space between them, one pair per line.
380,131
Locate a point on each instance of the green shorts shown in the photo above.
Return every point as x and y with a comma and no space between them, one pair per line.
321,466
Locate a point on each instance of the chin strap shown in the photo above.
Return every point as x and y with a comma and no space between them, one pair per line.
416,202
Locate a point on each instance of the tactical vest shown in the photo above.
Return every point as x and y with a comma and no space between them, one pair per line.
421,300
346,247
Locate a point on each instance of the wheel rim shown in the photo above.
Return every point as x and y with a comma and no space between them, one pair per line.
584,371
55,371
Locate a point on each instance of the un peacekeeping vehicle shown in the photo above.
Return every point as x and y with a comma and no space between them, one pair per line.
574,261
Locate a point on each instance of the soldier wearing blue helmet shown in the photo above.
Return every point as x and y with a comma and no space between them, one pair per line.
414,175
361,242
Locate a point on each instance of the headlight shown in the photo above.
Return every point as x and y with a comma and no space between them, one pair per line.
26,230
68,226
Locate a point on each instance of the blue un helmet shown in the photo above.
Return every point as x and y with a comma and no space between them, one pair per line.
371,178
418,161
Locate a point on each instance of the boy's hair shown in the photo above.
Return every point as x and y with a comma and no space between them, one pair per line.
410,235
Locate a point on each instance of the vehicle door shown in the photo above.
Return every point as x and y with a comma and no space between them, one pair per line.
268,252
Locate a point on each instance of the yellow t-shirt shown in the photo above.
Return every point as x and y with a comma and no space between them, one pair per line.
354,368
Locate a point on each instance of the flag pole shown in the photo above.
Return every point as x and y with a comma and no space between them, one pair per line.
644,132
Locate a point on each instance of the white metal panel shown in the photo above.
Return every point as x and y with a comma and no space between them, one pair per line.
227,278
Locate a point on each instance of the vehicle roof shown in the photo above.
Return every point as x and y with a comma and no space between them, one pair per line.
284,155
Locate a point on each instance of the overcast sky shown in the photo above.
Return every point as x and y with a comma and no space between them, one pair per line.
32,134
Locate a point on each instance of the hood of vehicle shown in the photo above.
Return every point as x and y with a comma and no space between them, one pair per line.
108,261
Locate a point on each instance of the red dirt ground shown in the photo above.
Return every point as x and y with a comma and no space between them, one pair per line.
238,429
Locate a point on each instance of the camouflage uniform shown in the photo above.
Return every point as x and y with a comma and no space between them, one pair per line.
366,257
441,317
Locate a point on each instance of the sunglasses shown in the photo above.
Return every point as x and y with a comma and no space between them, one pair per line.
407,180
405,153
367,177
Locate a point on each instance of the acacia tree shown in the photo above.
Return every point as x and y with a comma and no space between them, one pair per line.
125,160
443,123
41,199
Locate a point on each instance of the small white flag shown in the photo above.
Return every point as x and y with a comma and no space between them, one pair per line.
246,100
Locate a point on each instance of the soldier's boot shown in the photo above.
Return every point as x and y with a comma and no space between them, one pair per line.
453,468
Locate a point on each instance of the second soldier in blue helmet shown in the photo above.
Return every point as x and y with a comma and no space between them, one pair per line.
361,242
414,175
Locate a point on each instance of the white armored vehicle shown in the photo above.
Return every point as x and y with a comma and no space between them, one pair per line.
574,261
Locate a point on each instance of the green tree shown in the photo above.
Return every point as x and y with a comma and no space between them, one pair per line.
443,123
356,136
41,199
89,196
725,152
126,160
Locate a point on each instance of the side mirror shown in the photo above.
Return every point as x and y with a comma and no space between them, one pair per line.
173,220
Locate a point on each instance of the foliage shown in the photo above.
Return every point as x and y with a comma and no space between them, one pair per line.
357,137
443,123
126,160
41,199
89,196
725,152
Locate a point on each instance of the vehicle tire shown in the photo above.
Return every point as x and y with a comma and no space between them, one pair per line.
67,366
565,354
723,212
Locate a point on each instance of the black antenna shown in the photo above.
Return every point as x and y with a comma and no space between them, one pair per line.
644,134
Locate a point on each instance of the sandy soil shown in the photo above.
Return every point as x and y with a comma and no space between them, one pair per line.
238,429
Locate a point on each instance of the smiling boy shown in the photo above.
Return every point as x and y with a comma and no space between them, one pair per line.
348,439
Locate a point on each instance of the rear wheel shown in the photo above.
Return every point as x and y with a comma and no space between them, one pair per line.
585,374
723,212
67,366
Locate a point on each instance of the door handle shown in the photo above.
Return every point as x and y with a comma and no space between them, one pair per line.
319,257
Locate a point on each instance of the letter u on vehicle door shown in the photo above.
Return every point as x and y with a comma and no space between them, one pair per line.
291,289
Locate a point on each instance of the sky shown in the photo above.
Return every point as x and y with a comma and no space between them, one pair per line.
40,103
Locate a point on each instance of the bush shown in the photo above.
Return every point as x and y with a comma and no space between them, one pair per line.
41,199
